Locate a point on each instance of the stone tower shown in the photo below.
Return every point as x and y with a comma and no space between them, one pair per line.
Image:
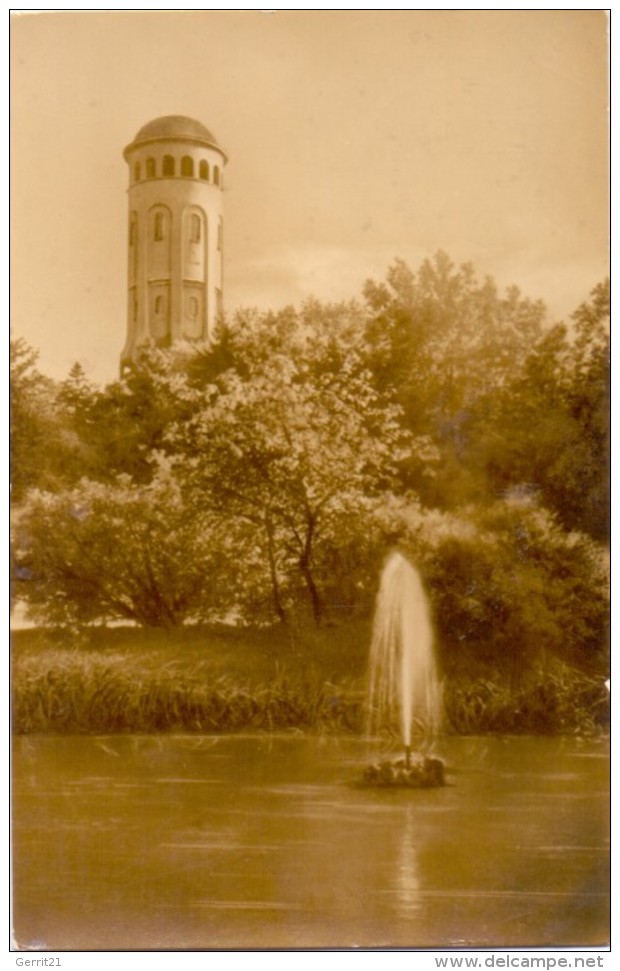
175,234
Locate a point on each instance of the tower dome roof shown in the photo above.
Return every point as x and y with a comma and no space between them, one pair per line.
175,126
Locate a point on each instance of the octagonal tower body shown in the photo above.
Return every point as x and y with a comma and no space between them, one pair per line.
175,234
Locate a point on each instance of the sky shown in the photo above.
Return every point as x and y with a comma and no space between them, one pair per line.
354,138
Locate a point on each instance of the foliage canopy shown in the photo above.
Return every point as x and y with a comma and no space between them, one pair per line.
266,475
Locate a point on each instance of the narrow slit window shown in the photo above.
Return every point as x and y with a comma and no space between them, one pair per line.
158,232
216,175
220,235
168,165
194,229
159,305
150,168
136,172
204,170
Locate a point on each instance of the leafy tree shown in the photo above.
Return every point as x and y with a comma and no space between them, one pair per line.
509,403
117,429
516,429
581,477
37,441
547,428
103,551
440,341
298,446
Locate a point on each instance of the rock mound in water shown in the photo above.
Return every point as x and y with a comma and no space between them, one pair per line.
421,773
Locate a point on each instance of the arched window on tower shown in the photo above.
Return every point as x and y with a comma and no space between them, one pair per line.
158,226
216,175
168,165
204,170
133,248
187,166
150,168
136,172
194,228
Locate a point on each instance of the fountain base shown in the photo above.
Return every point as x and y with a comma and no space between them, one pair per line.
412,772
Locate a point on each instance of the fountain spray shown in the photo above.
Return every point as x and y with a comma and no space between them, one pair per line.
404,686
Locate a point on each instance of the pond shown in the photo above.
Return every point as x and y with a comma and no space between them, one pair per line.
154,842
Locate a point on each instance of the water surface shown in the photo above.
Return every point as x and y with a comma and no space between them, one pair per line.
232,842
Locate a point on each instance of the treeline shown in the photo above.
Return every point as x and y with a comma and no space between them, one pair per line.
264,477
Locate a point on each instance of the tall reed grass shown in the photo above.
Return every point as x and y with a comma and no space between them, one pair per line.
68,692
207,683
565,702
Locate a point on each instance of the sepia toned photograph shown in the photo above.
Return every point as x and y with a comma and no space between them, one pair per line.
310,480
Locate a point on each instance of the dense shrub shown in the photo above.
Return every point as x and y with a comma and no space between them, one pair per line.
512,592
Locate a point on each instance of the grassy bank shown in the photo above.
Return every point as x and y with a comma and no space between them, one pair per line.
213,680
226,680
565,702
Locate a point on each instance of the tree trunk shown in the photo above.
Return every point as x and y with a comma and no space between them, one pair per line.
273,573
304,567
315,600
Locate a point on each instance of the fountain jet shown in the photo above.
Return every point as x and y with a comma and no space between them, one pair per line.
404,691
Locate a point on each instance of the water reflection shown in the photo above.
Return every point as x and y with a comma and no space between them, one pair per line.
407,876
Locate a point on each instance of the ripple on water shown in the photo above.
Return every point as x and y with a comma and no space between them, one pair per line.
244,905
